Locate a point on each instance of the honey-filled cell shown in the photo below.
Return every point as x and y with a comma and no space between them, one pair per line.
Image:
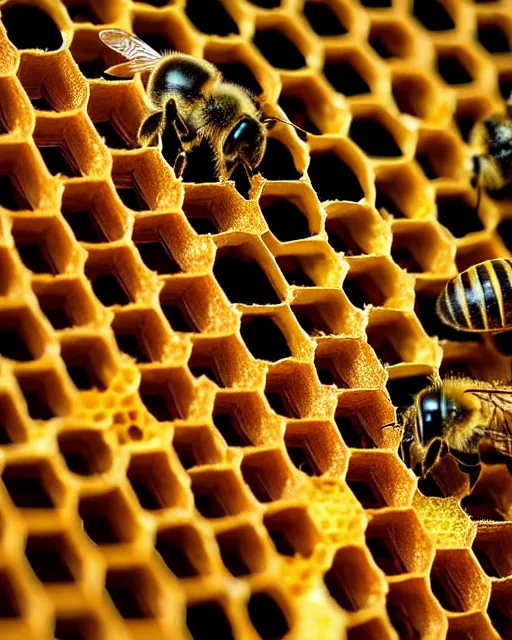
202,380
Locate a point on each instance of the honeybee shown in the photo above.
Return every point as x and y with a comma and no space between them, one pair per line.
454,415
191,94
491,143
479,299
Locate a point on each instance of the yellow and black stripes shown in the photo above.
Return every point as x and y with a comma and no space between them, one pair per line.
480,298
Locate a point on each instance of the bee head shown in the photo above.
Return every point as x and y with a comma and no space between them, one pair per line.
245,144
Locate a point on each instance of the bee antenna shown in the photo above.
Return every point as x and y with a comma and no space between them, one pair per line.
270,119
390,424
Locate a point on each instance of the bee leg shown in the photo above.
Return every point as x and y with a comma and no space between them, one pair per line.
150,129
180,163
182,129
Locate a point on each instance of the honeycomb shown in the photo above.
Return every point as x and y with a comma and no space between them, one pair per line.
193,379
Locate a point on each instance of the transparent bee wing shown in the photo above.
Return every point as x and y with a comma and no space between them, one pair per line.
141,57
499,405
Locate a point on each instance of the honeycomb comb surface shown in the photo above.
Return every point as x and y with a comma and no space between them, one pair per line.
192,383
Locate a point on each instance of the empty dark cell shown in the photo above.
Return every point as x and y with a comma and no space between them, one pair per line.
487,564
266,4
277,163
345,78
381,44
493,38
367,494
340,589
267,617
126,598
264,338
28,27
208,620
186,454
353,433
46,560
355,293
326,375
297,113
427,165
333,179
341,239
401,621
36,258
132,198
433,15
77,462
94,69
385,555
286,221
85,226
72,629
240,74
5,437
26,489
376,4
389,204
203,225
109,291
505,232
175,557
243,281
11,195
57,315
405,259
233,560
9,604
278,50
82,12
465,124
323,20
13,346
157,405
209,505
110,133
445,589
282,542
157,40
83,376
158,257
131,344
501,620
384,348
452,70
281,404
179,318
303,460
212,18
427,486
200,366
374,139
258,483
502,342
481,507
293,272
157,3
231,430
505,85
402,390
98,527
458,216
146,494
37,405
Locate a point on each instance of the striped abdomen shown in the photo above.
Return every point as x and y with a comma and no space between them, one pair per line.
480,298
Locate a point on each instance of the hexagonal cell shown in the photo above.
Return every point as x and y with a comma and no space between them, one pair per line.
114,280
279,161
241,274
196,445
360,416
289,390
375,281
194,304
223,360
237,63
398,542
402,192
317,267
183,551
33,485
135,593
155,482
354,581
264,338
81,627
40,32
291,215
268,474
378,133
22,183
65,302
493,549
92,212
168,32
92,11
44,393
207,617
85,451
315,448
44,245
494,32
292,531
242,550
348,363
350,71
52,83
416,94
160,241
13,427
421,247
140,333
456,65
439,154
321,313
457,581
328,18
391,39
218,493
434,15
281,44
217,21
456,211
499,609
242,419
166,393
108,518
379,479
356,229
267,615
413,611
89,362
53,558
115,111
22,337
505,84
